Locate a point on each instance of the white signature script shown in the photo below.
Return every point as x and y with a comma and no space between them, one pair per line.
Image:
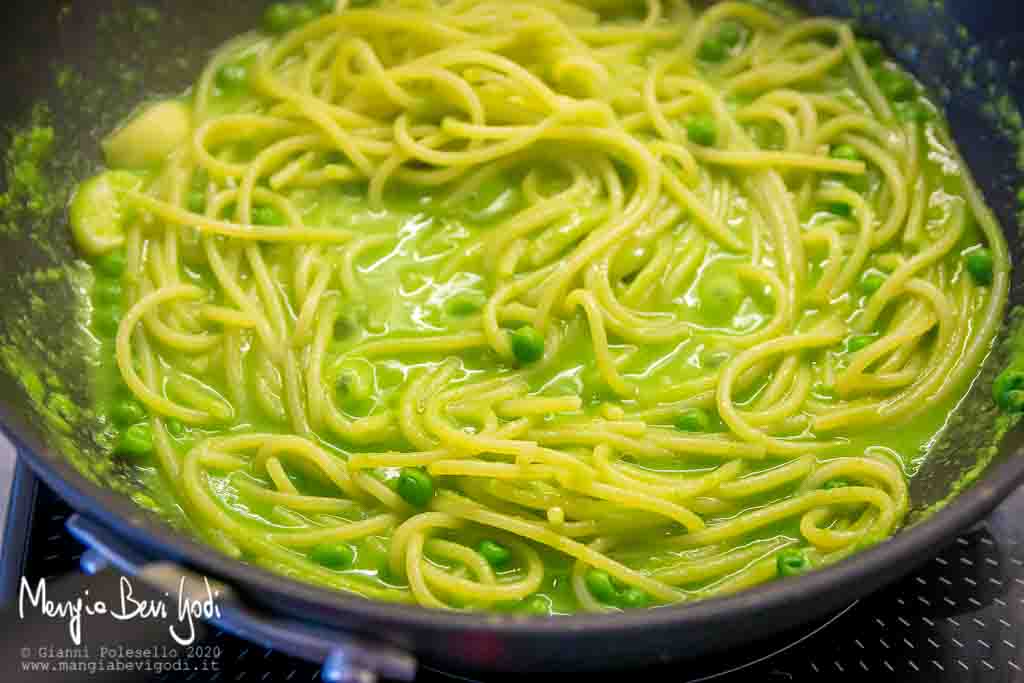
128,608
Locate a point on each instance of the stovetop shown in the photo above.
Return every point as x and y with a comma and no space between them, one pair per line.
960,618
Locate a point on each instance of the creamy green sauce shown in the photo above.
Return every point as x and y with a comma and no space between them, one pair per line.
406,298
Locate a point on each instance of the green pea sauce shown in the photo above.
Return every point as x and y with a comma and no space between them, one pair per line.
404,296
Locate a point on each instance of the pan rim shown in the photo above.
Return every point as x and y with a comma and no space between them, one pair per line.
882,563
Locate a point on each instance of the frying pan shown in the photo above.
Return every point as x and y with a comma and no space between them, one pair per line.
92,61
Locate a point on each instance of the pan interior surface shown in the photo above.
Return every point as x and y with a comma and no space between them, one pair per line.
45,367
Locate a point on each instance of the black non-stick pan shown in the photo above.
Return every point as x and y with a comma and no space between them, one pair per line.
89,62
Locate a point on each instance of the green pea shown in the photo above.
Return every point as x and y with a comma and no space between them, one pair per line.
839,209
384,573
279,18
871,283
267,215
693,420
538,605
197,201
174,428
911,112
870,50
847,152
1020,197
112,263
107,319
632,598
344,327
527,344
860,342
720,297
792,562
233,77
128,411
894,84
107,291
415,486
136,440
730,34
838,483
713,50
333,555
600,586
465,303
1015,401
701,130
355,386
979,265
496,554
1008,390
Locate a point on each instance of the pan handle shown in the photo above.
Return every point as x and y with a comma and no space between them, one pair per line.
344,658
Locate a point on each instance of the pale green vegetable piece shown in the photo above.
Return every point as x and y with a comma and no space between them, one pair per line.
150,137
721,296
98,214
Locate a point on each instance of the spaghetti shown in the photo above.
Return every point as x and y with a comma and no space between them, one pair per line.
548,305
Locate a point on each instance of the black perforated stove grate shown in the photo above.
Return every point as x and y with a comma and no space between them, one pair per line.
961,618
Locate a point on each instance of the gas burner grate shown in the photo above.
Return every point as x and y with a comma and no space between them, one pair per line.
961,617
